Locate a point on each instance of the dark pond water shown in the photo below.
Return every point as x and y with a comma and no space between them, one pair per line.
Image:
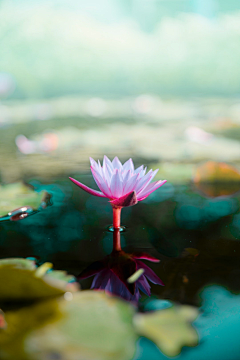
196,237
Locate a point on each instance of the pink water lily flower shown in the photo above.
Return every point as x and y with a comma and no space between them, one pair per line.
121,183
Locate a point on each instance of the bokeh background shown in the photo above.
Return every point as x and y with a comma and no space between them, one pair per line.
155,80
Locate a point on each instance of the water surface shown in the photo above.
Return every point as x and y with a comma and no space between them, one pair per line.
196,237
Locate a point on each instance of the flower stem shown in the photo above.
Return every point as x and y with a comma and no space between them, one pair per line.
116,217
116,227
116,240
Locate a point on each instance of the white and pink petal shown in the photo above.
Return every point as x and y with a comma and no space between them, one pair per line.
149,189
107,162
128,165
130,184
116,163
116,185
101,183
126,176
107,174
87,189
138,170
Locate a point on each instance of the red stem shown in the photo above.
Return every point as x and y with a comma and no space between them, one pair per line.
116,240
116,227
116,217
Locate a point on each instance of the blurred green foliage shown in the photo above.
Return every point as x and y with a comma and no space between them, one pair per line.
169,328
89,325
14,196
22,280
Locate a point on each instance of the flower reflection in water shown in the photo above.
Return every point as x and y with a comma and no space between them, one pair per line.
115,272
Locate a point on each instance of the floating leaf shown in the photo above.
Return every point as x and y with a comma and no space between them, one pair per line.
19,263
217,179
212,171
62,276
20,279
17,199
93,326
169,328
22,321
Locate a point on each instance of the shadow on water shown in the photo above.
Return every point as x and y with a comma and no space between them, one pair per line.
195,237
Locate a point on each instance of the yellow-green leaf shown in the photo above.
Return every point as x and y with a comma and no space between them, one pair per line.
94,326
14,196
170,329
217,179
22,321
212,171
20,280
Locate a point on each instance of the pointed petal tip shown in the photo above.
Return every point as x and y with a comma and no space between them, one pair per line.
87,189
116,163
150,188
161,182
106,158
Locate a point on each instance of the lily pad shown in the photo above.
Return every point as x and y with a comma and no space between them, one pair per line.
169,329
93,326
212,171
19,195
20,322
21,279
217,179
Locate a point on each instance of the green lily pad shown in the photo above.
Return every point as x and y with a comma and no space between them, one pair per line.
21,322
93,326
169,329
80,325
21,279
14,196
61,275
19,263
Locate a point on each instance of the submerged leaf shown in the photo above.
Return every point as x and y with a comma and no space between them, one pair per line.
169,328
20,280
